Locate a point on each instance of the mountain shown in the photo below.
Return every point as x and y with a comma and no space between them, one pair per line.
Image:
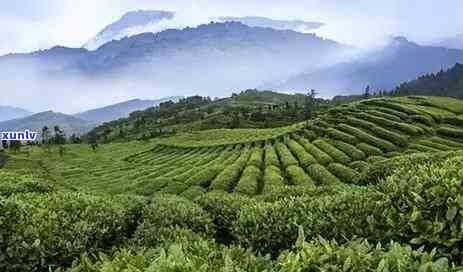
212,59
444,83
36,122
119,110
399,61
131,23
8,113
452,42
255,21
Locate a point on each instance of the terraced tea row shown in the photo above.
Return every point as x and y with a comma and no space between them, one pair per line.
338,147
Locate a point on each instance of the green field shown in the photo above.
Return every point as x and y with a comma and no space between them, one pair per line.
374,185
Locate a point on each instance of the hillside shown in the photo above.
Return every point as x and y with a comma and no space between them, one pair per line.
119,110
8,113
400,61
444,83
37,121
248,109
356,189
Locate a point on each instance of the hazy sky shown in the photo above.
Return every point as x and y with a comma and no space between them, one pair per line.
37,24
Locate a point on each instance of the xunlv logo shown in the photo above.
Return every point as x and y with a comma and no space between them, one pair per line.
25,135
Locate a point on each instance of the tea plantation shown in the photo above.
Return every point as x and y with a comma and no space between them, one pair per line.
374,185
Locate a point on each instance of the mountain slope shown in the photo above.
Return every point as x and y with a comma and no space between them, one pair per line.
37,121
256,21
452,42
400,61
131,23
444,83
119,110
8,113
212,60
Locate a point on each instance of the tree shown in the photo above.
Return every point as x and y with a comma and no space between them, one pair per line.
45,135
60,137
15,146
309,104
367,92
92,140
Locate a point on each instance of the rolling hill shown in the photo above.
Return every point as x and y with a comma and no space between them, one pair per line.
444,83
248,109
120,110
37,121
371,185
8,113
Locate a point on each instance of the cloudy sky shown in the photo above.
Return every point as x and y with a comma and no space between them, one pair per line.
37,24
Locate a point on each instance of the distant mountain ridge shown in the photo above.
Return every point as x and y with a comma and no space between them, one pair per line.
256,21
120,110
36,122
212,59
131,23
8,113
83,122
398,62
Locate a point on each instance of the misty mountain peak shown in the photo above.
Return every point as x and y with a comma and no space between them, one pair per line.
131,23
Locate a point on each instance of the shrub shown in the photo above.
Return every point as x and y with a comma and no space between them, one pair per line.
360,166
287,159
148,187
451,132
256,157
436,145
182,255
370,150
389,116
400,126
446,142
227,179
322,176
332,151
391,136
224,209
453,120
423,119
297,176
423,148
357,255
399,114
273,227
318,154
52,230
11,183
166,212
174,187
271,157
272,178
368,138
309,134
374,159
341,136
349,150
344,173
304,158
249,181
193,192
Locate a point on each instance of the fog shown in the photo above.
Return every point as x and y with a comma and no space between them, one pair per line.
32,25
